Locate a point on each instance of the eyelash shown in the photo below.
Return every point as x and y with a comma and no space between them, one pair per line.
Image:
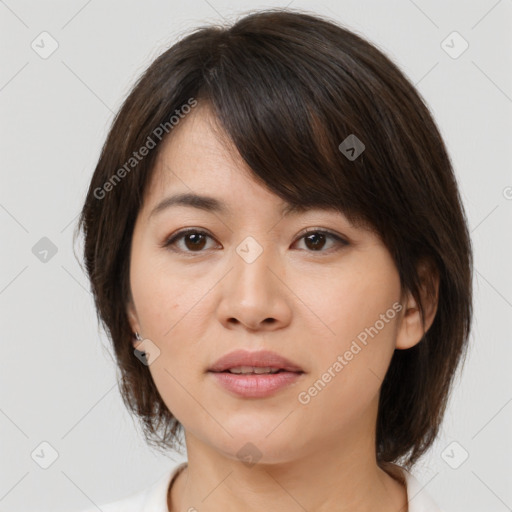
181,234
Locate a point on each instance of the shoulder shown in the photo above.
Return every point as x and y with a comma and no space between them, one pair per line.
152,498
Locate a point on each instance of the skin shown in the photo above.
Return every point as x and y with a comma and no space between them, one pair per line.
196,305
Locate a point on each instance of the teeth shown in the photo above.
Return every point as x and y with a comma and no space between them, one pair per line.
253,369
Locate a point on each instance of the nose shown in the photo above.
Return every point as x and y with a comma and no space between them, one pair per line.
254,294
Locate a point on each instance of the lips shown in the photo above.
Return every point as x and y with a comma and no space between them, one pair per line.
258,359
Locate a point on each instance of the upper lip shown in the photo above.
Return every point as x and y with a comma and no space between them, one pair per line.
260,358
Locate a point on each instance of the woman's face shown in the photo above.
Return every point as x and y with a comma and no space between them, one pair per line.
330,307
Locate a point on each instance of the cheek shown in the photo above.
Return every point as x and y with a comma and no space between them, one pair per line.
355,341
174,319
339,305
165,296
173,312
347,378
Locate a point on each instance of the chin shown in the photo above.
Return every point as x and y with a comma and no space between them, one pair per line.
252,445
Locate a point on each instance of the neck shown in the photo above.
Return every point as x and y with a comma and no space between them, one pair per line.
343,479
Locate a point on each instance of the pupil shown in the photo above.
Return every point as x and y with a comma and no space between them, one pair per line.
196,240
316,236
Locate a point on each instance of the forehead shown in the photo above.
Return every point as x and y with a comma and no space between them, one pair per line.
199,166
197,149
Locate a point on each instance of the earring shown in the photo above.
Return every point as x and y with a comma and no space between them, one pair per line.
138,336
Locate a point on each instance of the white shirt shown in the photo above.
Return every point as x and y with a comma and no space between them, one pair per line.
154,498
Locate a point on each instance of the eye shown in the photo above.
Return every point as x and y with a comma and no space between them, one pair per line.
195,240
315,239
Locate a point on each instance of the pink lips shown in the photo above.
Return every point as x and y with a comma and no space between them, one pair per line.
255,385
262,358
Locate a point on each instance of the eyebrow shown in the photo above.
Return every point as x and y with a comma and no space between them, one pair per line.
211,204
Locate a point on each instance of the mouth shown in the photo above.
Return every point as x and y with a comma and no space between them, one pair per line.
255,370
255,362
259,374
255,382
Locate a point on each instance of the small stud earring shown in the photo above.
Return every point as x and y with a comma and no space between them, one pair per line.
138,336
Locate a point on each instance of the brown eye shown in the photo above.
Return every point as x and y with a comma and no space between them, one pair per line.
193,241
316,239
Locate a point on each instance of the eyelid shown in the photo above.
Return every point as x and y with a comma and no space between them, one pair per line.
321,230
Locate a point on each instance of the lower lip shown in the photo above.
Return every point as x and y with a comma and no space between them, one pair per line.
254,385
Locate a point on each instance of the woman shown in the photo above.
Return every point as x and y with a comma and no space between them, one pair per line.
280,255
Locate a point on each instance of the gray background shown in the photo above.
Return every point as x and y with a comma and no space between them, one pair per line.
58,380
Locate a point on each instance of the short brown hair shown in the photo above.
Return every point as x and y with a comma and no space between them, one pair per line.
288,88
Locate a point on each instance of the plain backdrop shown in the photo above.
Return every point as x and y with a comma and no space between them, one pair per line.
57,375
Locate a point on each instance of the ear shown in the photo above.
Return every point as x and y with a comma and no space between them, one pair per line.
410,330
133,320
